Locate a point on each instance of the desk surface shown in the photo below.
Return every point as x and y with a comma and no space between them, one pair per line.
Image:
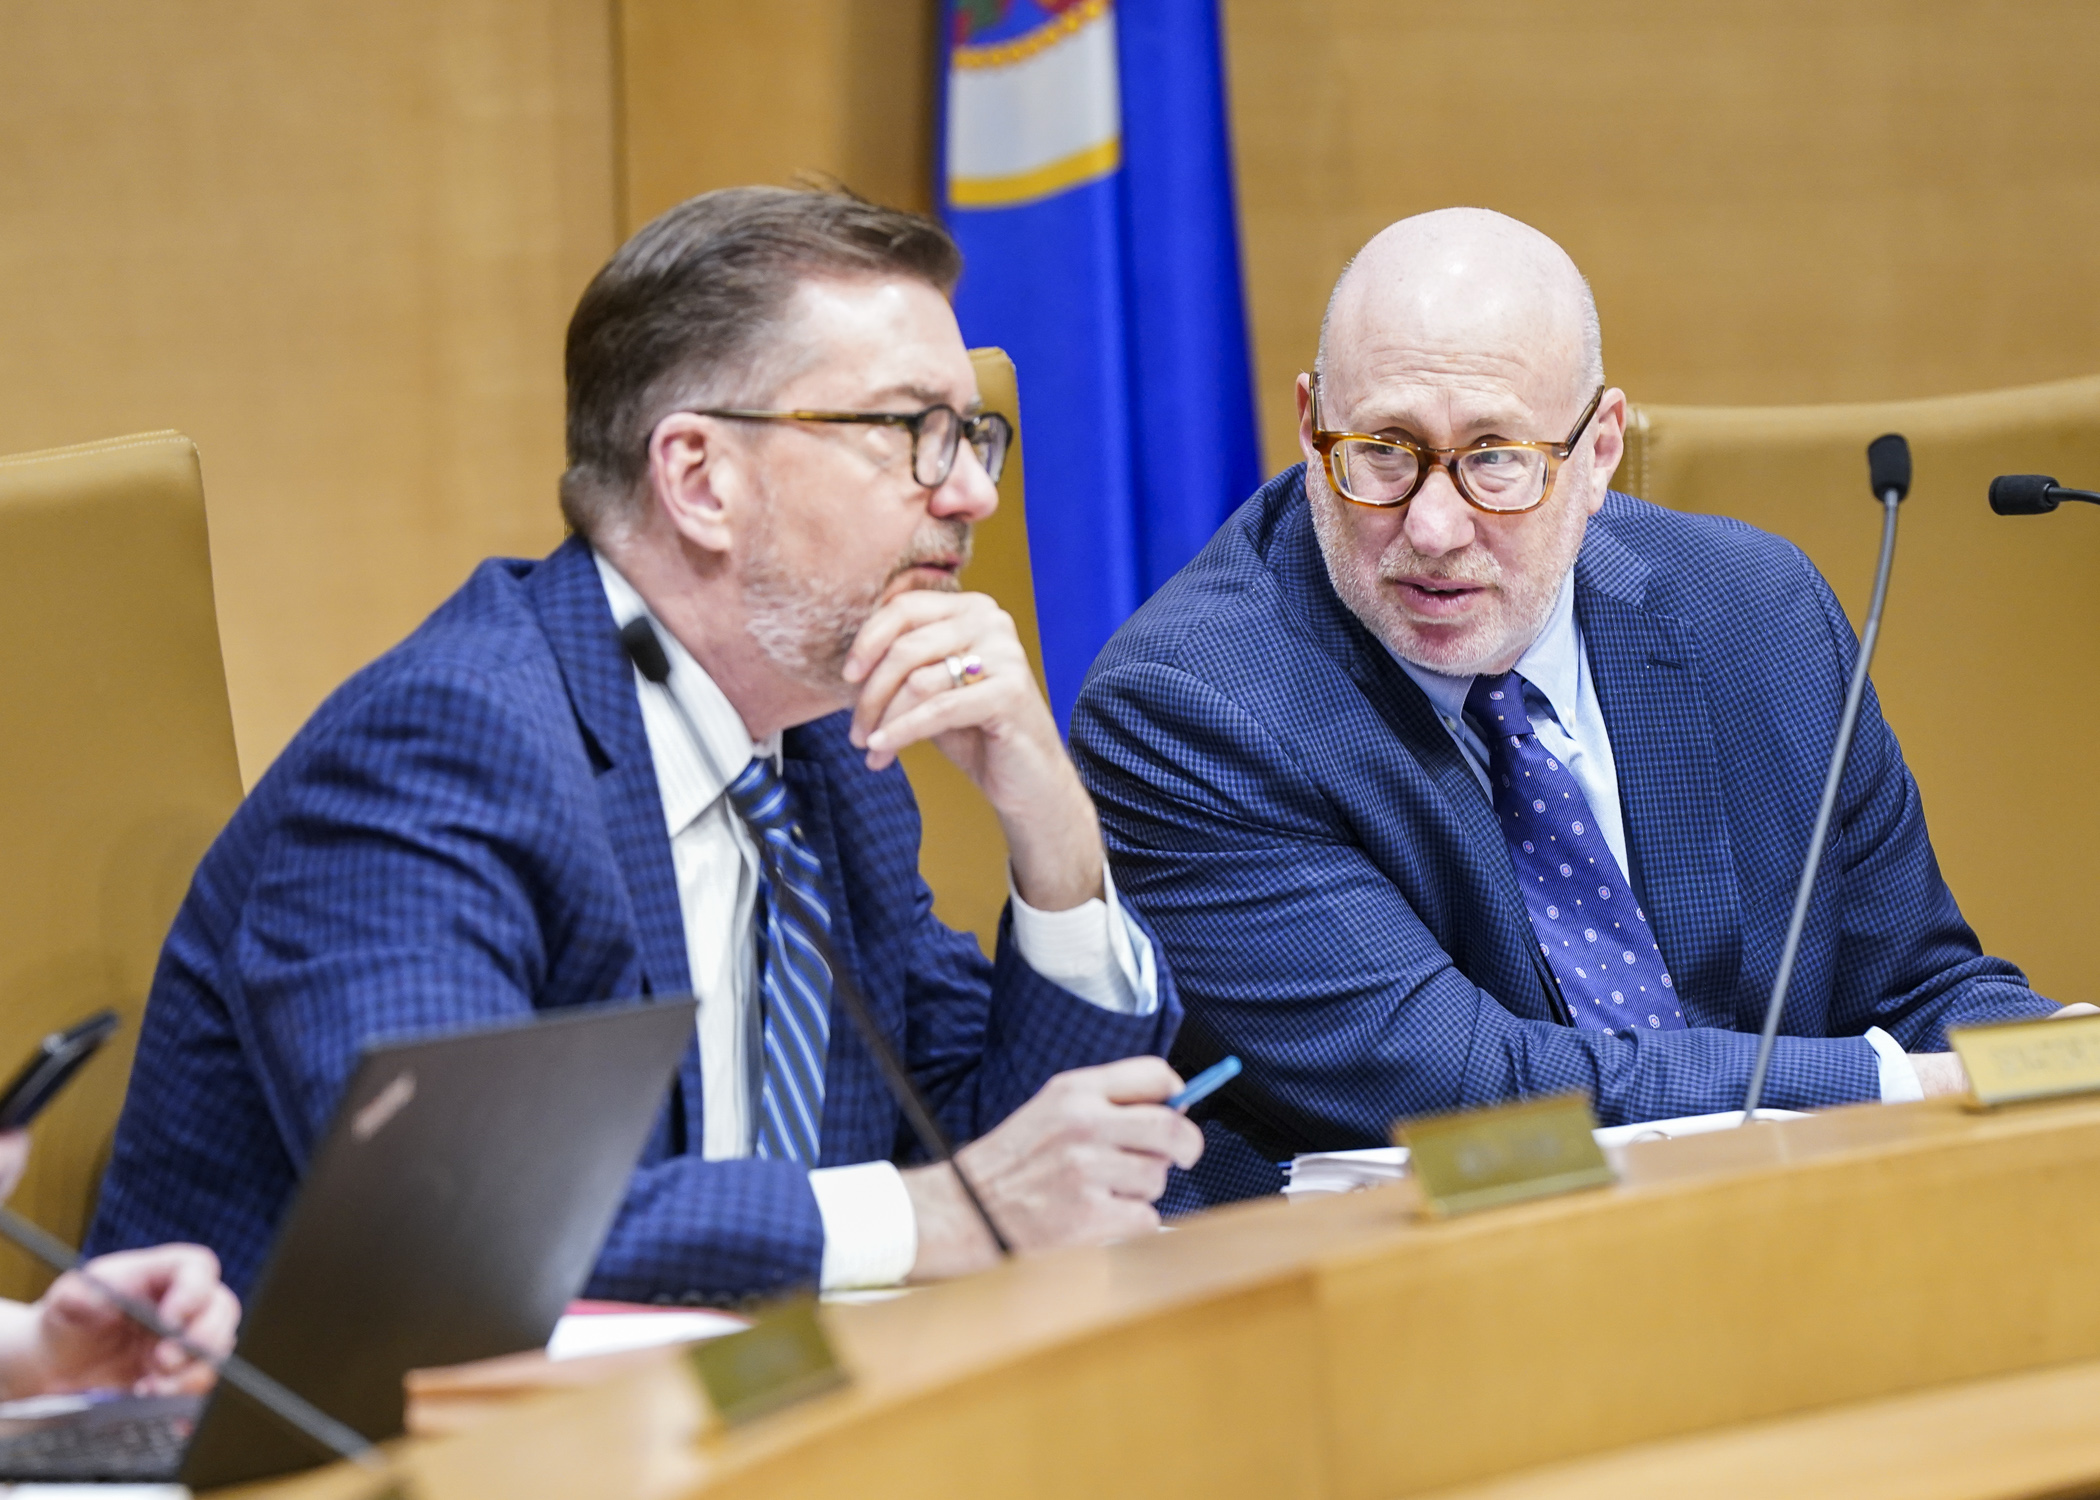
1797,1295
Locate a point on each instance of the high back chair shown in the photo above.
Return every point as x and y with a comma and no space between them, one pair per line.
962,853
117,770
1989,665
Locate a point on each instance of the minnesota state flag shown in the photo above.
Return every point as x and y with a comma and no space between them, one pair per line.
1087,174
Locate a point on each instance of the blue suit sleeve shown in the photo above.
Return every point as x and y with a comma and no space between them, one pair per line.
435,864
979,1059
1301,955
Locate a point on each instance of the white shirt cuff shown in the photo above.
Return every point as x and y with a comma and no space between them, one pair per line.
1899,1079
1094,950
871,1236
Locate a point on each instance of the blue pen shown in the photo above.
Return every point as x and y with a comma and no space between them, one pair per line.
1206,1083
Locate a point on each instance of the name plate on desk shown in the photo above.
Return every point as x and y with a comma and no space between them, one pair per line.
1484,1158
2041,1059
780,1359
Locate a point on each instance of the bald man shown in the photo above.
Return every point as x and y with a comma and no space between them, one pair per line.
1448,775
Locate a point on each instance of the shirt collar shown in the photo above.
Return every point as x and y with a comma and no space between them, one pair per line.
686,782
1552,664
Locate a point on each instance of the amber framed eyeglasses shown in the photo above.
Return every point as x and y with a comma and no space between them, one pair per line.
937,434
1493,474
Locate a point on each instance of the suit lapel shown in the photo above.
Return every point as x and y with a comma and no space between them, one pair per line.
850,1071
809,783
1502,957
1651,685
570,600
1518,975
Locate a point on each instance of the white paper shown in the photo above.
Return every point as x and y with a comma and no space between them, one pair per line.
95,1491
578,1335
36,1408
1321,1172
852,1295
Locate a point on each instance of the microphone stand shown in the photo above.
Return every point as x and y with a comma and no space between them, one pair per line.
638,636
1891,498
290,1408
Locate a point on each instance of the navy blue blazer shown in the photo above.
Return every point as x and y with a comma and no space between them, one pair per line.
1329,882
468,831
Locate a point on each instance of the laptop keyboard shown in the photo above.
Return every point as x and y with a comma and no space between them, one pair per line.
129,1448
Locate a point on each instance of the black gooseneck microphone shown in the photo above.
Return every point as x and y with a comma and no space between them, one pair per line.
2032,495
638,636
283,1403
1888,470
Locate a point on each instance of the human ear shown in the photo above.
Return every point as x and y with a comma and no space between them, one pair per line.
1305,421
696,479
1610,427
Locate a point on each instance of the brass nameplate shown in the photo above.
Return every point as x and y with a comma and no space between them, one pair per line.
1484,1158
2039,1059
779,1360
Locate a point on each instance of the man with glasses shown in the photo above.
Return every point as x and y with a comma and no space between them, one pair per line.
776,454
1448,776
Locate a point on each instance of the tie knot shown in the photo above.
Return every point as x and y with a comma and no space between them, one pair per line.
1497,705
761,798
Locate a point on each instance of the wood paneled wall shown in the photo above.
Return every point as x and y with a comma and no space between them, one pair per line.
716,93
337,245
1789,201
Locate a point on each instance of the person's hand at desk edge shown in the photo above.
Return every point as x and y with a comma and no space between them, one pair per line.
1082,1162
73,1339
1941,1073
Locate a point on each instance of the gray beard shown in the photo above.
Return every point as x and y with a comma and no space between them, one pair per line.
1380,614
808,632
804,633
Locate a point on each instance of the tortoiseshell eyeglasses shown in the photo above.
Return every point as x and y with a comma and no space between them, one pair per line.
1492,474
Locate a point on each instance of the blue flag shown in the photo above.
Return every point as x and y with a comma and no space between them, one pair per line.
1087,174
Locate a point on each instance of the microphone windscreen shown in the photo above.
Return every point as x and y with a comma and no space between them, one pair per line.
1888,465
2023,494
645,650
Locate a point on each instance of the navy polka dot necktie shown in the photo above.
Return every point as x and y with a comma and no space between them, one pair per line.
1593,933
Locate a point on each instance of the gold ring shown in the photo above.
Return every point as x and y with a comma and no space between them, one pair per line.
964,670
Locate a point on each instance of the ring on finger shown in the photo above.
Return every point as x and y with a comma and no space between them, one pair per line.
964,670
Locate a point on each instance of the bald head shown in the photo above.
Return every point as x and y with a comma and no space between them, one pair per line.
1459,330
1464,282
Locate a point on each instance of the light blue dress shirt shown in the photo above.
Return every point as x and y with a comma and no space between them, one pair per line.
1560,695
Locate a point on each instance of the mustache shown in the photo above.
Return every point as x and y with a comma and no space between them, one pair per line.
1470,567
935,542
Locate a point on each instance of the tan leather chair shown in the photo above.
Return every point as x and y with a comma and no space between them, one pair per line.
1990,649
116,770
962,853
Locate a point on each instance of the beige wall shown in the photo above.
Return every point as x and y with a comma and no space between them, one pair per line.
717,92
1786,201
334,243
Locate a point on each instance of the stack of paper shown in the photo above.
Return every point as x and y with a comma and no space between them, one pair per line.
589,1329
1321,1172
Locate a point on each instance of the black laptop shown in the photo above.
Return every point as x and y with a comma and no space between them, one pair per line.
454,1209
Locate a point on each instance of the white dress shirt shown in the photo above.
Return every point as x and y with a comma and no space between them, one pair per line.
1569,723
1093,950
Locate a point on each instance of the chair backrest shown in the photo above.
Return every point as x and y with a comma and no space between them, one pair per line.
1991,644
118,769
962,853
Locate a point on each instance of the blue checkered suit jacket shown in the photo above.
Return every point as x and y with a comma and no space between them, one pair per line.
1338,902
469,830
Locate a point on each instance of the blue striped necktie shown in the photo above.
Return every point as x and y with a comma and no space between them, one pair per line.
794,980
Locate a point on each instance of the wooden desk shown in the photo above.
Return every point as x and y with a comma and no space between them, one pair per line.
1692,1315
